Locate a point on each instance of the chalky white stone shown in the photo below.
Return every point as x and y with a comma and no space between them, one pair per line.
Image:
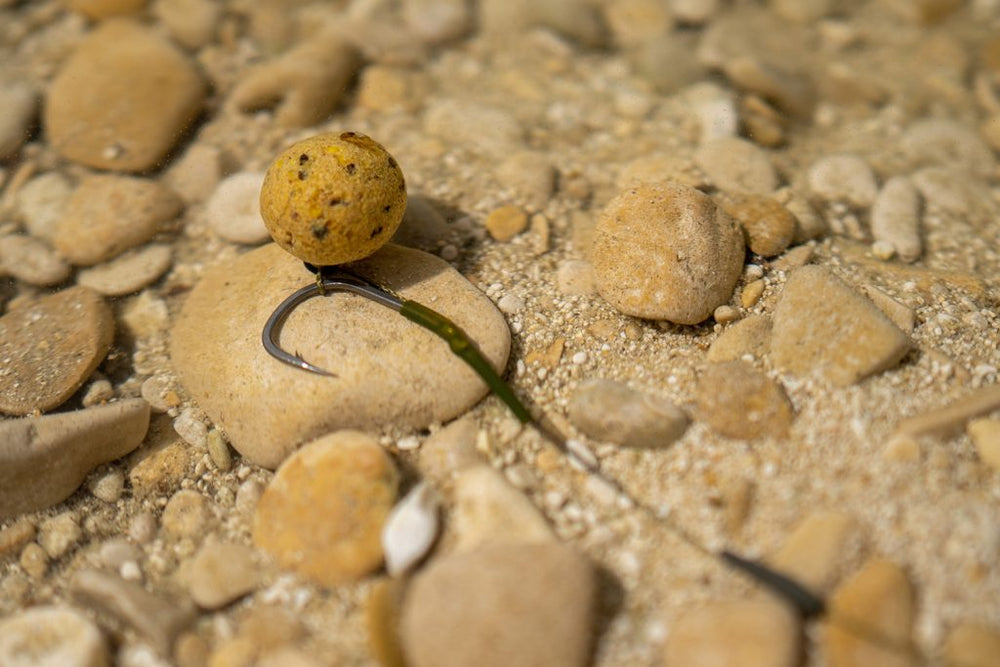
410,529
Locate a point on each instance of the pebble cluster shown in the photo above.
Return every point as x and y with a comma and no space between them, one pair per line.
742,254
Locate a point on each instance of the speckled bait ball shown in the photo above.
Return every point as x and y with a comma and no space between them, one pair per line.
333,198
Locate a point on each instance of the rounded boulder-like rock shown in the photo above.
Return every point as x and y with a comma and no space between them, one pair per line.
666,252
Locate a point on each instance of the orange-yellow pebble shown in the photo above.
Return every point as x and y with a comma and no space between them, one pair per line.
333,198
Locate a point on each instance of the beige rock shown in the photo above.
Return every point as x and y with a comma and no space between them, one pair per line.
129,272
450,450
31,261
506,222
109,214
20,104
751,293
970,645
50,347
186,515
612,412
749,633
948,420
382,612
985,434
902,316
387,88
792,92
814,552
15,536
895,218
45,636
843,178
741,402
529,175
839,335
233,210
737,166
306,83
477,127
123,99
162,463
879,597
489,510
749,336
191,22
102,9
666,251
322,514
220,573
769,226
378,357
535,603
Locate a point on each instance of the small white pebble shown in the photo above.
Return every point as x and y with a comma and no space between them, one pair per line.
191,428
883,250
580,455
410,529
725,314
580,358
130,571
510,304
233,210
408,444
753,271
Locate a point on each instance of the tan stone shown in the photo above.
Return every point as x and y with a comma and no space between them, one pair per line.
388,370
50,347
749,336
534,602
880,598
769,226
741,402
970,645
102,9
823,326
749,633
506,222
488,510
813,553
123,99
322,514
985,434
110,214
382,613
666,252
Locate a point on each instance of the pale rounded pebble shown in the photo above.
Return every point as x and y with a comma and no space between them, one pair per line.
971,645
16,536
579,21
488,509
815,552
191,22
186,514
610,411
102,9
218,450
808,223
157,619
19,102
792,92
108,487
529,175
40,203
233,210
636,22
575,277
769,226
895,218
220,573
842,336
160,469
740,402
142,528
450,450
215,344
31,261
59,534
123,99
506,222
323,512
985,434
990,131
248,495
98,392
117,551
715,108
749,336
668,63
34,561
195,174
883,250
129,272
304,84
843,178
751,293
159,392
736,165
438,21
510,304
943,142
50,347
694,12
389,88
666,252
190,426
749,633
51,637
110,214
536,603
881,597
473,126
725,314
411,529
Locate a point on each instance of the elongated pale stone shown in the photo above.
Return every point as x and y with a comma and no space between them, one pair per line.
895,218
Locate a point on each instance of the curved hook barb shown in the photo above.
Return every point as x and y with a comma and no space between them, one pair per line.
339,281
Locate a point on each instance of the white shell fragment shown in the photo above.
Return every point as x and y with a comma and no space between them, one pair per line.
411,529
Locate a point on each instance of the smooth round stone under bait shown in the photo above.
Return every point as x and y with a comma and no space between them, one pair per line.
333,198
